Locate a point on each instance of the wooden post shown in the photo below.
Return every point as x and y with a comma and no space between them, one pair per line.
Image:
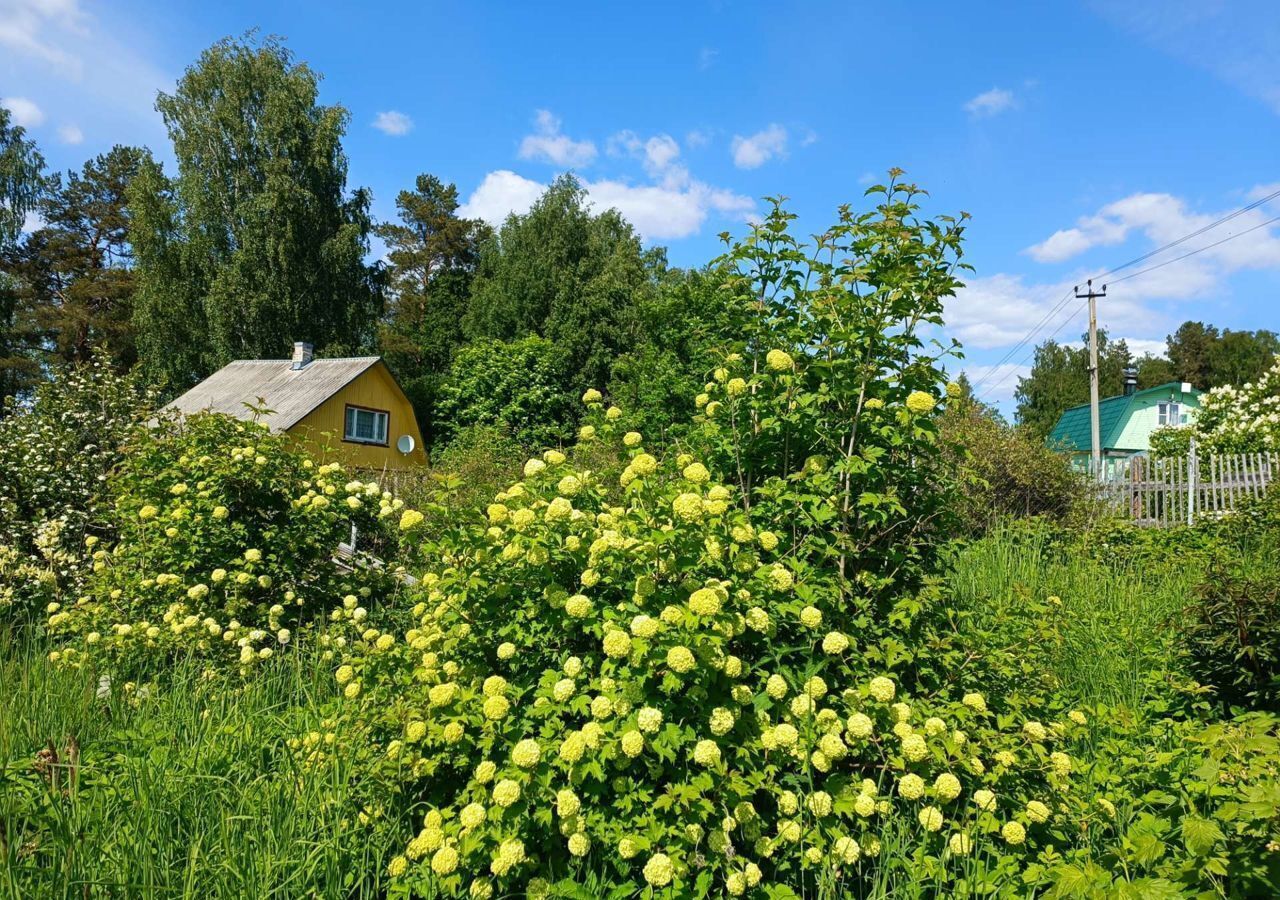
1192,474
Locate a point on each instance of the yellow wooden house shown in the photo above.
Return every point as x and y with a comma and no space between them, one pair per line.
350,410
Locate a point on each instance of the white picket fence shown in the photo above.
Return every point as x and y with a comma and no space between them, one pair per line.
1181,490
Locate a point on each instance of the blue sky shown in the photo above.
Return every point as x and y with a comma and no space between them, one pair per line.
1076,135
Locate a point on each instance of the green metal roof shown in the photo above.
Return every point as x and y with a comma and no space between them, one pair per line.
1073,432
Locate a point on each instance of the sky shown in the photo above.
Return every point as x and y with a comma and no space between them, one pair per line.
1078,136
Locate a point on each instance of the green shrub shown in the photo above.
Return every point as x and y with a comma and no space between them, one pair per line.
224,538
1232,628
517,386
1003,472
55,456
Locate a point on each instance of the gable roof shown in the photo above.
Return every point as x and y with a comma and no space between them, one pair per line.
1073,431
289,393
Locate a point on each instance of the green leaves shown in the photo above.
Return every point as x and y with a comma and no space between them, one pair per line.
1199,835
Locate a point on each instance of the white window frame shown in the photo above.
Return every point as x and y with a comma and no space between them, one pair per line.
1169,412
378,421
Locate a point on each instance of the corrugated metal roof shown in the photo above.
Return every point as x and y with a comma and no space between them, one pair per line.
289,393
1074,432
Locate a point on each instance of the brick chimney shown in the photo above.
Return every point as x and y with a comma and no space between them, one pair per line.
303,353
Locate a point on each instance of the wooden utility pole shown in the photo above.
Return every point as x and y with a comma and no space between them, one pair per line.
1095,430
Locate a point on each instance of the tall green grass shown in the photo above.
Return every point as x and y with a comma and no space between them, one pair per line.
1115,627
192,792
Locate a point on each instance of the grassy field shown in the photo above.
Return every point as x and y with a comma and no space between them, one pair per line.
193,791
1112,631
190,793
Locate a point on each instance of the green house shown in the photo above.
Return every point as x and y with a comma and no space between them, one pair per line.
1125,422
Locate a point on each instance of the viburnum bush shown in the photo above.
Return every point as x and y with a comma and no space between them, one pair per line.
692,675
222,544
643,683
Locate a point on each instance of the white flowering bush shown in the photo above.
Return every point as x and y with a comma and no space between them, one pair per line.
55,455
1231,419
222,544
635,678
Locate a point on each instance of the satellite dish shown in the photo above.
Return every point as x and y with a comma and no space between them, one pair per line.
405,444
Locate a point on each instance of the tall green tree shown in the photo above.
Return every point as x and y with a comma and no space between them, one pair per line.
1059,380
21,177
685,326
432,256
566,274
21,182
74,275
256,241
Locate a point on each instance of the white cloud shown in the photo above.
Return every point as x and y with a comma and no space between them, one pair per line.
25,112
35,28
392,122
810,138
994,384
658,211
658,155
70,134
755,150
990,103
665,212
697,138
32,221
548,144
1162,218
82,65
999,310
707,57
1235,42
500,194
1143,346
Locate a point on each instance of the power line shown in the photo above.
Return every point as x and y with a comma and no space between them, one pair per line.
1174,243
1186,237
1167,262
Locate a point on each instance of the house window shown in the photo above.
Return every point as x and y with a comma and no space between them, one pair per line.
366,426
1170,413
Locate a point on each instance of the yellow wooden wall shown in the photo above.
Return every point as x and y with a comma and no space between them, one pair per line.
320,431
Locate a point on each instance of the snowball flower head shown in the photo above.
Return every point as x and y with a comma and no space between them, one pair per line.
526,753
697,473
591,395
931,818
687,507
920,402
705,602
410,519
706,753
834,643
882,688
1013,833
947,786
778,360
649,719
658,871
617,644
506,792
680,659
911,787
